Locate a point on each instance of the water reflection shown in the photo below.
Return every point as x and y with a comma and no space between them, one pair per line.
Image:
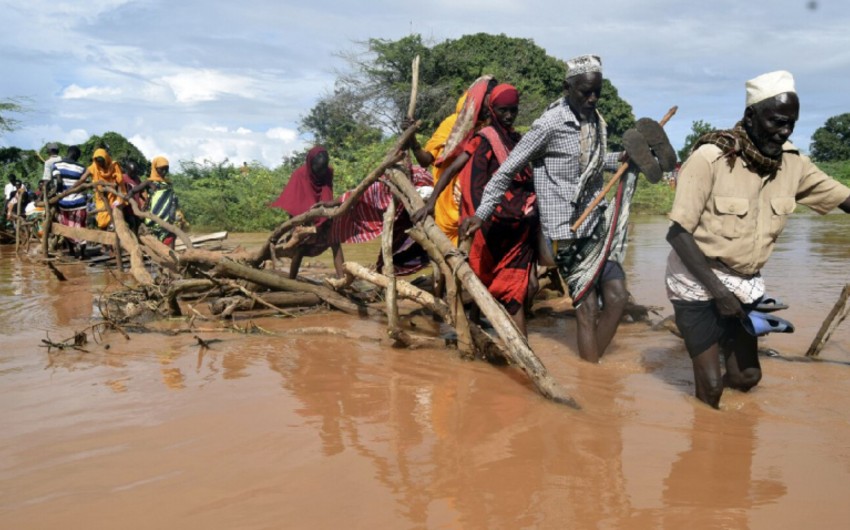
711,484
461,447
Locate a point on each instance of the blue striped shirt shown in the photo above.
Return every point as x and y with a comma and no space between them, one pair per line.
69,173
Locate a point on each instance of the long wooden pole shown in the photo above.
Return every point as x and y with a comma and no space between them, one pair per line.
414,87
515,344
620,172
835,317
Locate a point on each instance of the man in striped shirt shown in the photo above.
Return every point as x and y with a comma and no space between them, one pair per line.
72,208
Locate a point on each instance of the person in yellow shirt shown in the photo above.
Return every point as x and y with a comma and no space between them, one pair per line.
446,146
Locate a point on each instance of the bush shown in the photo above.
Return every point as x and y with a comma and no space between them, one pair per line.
840,171
221,197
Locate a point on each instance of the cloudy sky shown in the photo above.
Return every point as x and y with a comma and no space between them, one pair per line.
197,80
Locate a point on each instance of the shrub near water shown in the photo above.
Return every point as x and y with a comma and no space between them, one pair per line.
221,197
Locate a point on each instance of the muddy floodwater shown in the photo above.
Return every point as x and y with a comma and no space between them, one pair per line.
319,431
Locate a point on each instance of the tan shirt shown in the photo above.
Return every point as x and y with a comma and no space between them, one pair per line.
736,215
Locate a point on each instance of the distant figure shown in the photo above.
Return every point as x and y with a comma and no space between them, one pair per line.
67,174
162,200
104,170
244,169
9,193
312,185
52,158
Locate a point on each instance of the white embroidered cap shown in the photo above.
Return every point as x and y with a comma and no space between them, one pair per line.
769,85
583,64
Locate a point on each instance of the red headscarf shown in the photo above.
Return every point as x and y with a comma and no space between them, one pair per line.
304,188
504,95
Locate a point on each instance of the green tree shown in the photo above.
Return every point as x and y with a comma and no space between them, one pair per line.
339,122
375,92
832,141
698,129
23,163
9,106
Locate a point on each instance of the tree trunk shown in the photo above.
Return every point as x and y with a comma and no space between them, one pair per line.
515,343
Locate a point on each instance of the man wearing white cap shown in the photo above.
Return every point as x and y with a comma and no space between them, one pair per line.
733,197
52,158
567,148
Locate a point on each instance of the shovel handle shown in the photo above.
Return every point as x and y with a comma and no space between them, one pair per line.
620,172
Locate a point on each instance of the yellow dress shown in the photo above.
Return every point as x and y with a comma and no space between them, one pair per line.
446,209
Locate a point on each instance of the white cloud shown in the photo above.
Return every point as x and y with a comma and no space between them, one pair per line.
281,133
193,86
74,91
243,130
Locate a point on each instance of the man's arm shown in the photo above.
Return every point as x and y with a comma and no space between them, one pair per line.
689,252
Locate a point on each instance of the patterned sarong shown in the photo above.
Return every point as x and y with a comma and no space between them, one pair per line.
581,264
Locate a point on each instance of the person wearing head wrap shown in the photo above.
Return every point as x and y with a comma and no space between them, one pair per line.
311,185
105,171
567,149
502,253
446,152
161,200
734,194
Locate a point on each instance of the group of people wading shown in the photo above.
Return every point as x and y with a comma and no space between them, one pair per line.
520,199
113,188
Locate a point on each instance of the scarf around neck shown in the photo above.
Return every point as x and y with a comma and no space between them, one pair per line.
736,142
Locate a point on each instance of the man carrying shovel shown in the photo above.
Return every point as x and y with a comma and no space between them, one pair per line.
567,148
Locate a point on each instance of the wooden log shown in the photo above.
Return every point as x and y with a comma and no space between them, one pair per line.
96,236
215,236
414,87
128,241
515,344
158,252
389,271
278,299
45,230
405,289
230,268
835,317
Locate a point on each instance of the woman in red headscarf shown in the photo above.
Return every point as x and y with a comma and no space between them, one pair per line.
310,185
503,251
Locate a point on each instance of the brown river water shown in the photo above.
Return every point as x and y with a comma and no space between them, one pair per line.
320,431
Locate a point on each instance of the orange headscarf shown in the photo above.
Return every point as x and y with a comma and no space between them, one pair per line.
159,161
111,171
111,174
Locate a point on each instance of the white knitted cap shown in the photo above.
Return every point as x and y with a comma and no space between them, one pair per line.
583,64
769,85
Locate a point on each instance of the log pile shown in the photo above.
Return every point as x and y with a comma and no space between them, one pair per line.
173,282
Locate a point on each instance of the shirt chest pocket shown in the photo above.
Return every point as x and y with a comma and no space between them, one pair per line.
731,215
781,208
